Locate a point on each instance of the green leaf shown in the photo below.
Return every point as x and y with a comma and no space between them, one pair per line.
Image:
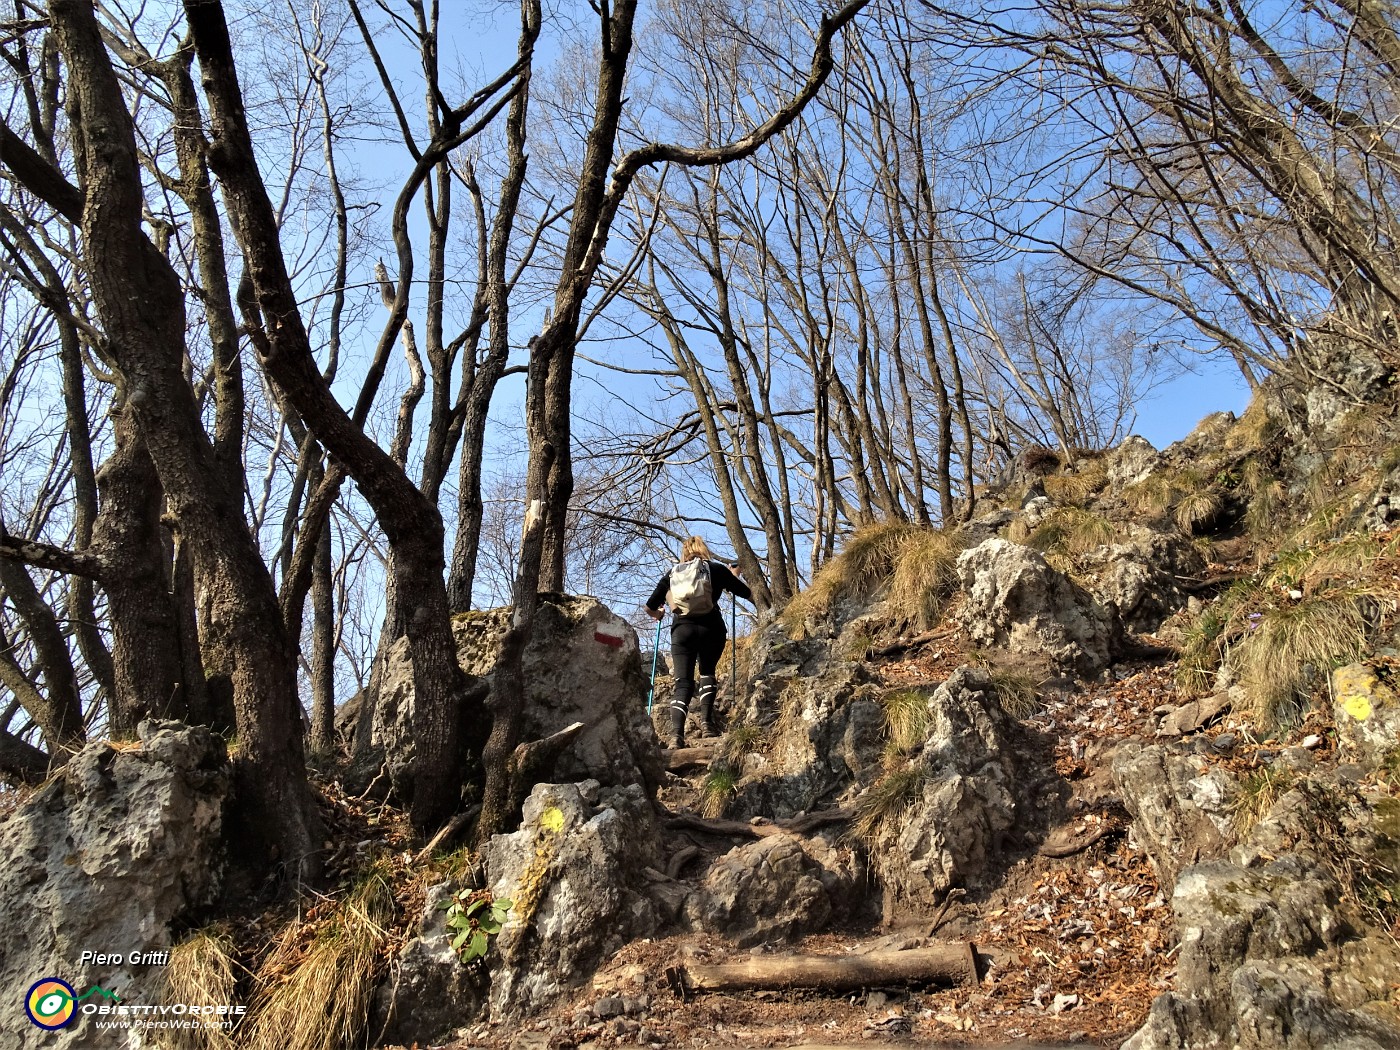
491,925
478,945
457,941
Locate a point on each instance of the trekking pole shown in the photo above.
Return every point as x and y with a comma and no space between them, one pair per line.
655,652
734,651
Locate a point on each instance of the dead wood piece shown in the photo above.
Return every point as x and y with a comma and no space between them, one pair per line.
532,762
952,963
900,645
1060,850
681,859
449,832
797,826
689,757
954,894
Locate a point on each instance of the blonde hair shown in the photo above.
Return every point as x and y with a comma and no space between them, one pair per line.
695,547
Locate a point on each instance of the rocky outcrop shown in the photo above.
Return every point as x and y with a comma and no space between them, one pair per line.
1367,712
1266,964
583,664
1138,578
774,890
1181,815
822,726
104,858
575,874
962,800
430,991
1131,461
1016,601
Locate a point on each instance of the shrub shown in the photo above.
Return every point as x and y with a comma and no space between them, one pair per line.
886,799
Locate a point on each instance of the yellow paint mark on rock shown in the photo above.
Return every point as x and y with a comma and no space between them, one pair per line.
1359,707
552,819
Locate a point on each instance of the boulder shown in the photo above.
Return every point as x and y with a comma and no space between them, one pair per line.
431,991
1182,813
575,874
583,664
1367,713
1257,948
824,726
1131,461
120,845
1139,577
777,889
962,802
1016,601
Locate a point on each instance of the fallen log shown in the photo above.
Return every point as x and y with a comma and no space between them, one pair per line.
953,963
900,645
689,757
796,826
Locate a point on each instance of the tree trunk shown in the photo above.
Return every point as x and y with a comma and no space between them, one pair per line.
141,305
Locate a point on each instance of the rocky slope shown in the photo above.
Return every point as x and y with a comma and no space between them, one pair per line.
1131,731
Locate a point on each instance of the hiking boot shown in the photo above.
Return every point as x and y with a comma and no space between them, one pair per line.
676,742
709,730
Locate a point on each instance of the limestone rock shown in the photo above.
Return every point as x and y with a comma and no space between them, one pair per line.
430,991
583,664
1015,600
575,873
1181,814
964,801
1257,947
823,727
1367,713
776,889
1194,714
1138,578
104,858
986,526
1131,461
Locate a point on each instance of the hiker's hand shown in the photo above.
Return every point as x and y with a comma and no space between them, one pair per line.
655,614
737,571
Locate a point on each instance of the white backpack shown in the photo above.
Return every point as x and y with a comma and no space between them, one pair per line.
691,590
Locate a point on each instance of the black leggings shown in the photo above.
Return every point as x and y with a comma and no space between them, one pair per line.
692,642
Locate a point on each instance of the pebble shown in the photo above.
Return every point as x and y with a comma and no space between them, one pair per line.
1225,743
608,1006
1311,741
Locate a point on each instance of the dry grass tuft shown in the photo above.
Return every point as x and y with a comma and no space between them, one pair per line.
742,739
1268,507
1079,488
886,799
1254,429
1195,510
202,969
716,790
317,996
1292,644
1018,692
1258,794
1213,429
1070,530
925,577
917,565
857,572
906,720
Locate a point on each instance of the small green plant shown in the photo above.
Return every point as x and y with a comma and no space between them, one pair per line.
476,916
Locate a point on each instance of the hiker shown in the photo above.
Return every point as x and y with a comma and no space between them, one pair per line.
692,589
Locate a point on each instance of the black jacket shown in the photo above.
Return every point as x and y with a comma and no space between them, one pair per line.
721,580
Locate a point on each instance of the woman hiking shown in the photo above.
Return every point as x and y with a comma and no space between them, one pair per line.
692,589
